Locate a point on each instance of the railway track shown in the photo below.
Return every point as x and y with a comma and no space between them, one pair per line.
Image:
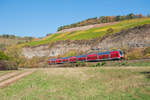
110,61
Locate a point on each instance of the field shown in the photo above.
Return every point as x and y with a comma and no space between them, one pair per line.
82,83
90,33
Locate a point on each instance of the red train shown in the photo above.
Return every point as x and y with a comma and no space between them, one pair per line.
109,55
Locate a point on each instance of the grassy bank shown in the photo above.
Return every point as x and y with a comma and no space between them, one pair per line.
90,33
110,83
127,63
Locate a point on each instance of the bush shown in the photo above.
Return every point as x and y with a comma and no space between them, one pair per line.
98,64
3,56
110,30
35,62
147,52
8,65
81,64
103,63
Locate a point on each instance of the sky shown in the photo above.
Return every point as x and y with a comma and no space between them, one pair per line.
37,18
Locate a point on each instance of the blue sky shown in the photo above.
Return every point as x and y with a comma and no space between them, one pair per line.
40,17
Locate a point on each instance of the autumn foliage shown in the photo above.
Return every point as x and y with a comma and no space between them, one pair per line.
102,19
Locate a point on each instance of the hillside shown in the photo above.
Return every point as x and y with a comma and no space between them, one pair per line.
91,33
8,40
124,35
100,20
86,27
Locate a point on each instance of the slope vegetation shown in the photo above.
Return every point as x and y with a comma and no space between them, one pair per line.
8,40
92,33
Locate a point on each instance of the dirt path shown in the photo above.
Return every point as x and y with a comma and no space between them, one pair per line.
8,75
12,77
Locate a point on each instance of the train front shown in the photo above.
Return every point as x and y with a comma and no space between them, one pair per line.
121,54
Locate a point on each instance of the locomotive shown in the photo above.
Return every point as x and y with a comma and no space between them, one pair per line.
101,56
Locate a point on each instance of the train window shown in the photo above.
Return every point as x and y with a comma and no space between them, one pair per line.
104,57
116,54
120,53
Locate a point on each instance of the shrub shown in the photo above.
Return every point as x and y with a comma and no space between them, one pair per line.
8,65
110,30
103,63
3,56
98,64
14,52
77,64
35,62
81,64
147,52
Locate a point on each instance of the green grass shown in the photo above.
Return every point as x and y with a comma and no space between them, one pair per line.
110,83
130,63
90,33
140,64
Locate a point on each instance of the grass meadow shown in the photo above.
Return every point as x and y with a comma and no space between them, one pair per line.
95,83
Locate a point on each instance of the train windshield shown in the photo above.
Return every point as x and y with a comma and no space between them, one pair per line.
120,52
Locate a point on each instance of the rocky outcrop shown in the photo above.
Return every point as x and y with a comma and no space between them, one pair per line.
58,48
137,37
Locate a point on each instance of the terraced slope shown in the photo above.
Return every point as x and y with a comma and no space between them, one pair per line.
91,33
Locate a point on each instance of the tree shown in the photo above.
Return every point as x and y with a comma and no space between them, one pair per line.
141,16
3,56
14,52
109,19
148,15
110,30
48,34
103,19
118,18
130,16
